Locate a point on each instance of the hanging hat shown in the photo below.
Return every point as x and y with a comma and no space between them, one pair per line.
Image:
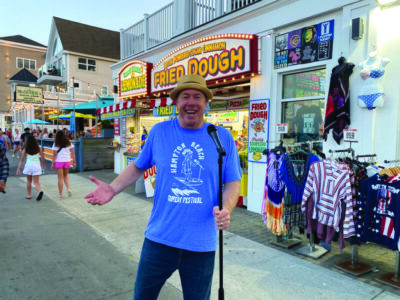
192,81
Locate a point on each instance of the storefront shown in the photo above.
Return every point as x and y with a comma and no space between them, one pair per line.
227,61
288,63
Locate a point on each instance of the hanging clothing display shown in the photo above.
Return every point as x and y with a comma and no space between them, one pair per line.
337,111
378,218
274,191
294,174
328,200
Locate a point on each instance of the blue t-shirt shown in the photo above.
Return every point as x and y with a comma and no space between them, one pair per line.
186,183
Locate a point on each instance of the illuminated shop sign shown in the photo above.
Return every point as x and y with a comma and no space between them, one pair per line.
127,112
169,111
215,58
28,94
134,79
305,45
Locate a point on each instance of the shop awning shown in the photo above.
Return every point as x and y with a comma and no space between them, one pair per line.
90,107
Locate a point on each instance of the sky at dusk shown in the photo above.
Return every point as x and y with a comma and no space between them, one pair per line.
32,19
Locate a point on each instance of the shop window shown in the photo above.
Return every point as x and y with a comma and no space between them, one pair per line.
304,84
86,64
26,63
305,115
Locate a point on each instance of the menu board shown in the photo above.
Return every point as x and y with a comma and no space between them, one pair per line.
305,45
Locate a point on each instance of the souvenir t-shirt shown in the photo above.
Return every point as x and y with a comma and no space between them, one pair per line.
308,119
186,183
378,212
64,155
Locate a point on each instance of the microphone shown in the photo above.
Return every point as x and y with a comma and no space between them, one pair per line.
212,131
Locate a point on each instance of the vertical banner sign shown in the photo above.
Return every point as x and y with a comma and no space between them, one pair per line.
116,127
149,177
305,45
258,129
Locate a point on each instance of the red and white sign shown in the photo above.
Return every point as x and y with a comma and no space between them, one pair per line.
134,79
282,128
350,135
216,57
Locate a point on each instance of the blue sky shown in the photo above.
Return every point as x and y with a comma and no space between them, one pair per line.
32,18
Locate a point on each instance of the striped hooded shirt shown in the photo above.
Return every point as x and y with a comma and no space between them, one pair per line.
327,184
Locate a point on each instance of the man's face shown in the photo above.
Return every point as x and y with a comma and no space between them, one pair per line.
191,106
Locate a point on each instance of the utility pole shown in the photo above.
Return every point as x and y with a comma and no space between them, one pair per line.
73,99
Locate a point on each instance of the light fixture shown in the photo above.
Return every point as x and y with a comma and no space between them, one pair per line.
386,2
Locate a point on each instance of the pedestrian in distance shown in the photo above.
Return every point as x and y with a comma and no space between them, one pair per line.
4,168
88,134
3,140
9,137
33,168
24,136
16,138
183,227
63,153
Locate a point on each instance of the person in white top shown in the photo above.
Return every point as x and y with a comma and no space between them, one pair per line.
33,168
63,153
16,138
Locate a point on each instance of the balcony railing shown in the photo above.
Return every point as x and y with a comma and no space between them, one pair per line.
49,75
159,27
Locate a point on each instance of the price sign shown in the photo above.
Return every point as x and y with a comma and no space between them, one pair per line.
350,135
282,128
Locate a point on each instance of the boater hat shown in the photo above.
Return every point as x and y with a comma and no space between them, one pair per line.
192,81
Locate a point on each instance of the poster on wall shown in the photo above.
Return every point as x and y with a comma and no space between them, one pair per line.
258,130
305,45
149,177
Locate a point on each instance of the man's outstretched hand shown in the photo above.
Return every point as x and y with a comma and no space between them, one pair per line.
102,194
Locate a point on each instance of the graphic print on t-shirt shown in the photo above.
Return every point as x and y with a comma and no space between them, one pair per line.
186,168
308,125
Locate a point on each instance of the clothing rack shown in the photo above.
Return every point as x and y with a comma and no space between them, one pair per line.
365,156
312,250
392,278
353,266
348,150
391,161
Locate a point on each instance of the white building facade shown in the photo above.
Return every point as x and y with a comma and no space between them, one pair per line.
361,28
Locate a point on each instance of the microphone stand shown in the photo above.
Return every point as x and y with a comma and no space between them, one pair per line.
221,295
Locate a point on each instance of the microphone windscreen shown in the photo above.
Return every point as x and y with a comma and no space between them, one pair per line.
211,128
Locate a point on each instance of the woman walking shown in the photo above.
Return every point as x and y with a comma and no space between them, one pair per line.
16,138
33,169
63,152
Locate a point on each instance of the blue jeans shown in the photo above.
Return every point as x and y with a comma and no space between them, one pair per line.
158,262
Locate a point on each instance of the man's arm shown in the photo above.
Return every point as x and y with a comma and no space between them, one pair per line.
105,192
128,176
230,196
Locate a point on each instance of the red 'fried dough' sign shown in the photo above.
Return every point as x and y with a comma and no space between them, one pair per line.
258,129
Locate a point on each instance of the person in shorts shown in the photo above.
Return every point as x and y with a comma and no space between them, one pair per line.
16,138
63,153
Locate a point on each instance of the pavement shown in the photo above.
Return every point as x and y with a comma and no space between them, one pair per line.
68,249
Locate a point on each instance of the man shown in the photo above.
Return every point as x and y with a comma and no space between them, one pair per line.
24,136
4,168
182,230
88,134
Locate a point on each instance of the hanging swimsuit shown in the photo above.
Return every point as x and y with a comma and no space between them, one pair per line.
370,99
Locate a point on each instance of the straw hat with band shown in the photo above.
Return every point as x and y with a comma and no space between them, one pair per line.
192,81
